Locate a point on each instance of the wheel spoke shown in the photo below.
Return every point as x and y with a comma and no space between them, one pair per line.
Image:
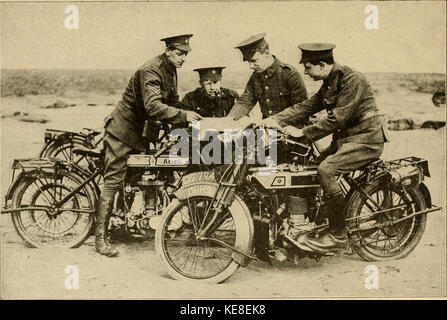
187,254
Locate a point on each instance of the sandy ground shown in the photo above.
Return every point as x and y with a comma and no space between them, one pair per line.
137,273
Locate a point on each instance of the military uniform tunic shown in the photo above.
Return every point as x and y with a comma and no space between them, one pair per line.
207,106
352,113
150,94
278,87
352,117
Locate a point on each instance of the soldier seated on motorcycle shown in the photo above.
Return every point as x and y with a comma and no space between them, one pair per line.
150,94
352,118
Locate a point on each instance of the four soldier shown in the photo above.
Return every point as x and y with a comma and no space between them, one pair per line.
352,117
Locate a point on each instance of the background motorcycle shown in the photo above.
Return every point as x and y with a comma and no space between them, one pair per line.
60,144
52,202
207,232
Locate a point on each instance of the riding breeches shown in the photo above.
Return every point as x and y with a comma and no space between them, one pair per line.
347,157
115,164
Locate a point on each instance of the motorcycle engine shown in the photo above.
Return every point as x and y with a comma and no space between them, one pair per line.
142,201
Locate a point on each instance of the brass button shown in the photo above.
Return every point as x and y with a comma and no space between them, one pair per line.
268,100
280,93
266,87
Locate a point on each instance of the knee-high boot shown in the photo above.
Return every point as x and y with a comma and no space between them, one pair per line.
336,216
103,212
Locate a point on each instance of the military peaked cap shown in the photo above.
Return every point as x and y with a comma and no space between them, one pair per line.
315,51
211,73
249,46
179,42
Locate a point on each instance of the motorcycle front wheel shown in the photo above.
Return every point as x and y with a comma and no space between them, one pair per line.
37,227
392,241
185,256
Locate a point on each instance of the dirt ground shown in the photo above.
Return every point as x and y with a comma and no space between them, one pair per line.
28,273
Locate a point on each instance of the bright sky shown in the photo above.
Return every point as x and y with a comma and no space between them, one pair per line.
410,38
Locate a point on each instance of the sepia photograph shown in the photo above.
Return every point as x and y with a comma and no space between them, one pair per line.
223,150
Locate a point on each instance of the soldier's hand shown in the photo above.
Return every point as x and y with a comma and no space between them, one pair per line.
293,131
192,116
270,123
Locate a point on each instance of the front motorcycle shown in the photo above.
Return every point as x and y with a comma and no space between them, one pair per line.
208,231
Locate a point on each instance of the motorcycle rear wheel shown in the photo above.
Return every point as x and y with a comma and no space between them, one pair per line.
205,261
69,229
395,241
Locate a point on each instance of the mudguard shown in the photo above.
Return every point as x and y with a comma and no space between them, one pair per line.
34,167
209,189
388,177
56,138
426,193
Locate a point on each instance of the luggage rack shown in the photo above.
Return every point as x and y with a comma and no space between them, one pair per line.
403,162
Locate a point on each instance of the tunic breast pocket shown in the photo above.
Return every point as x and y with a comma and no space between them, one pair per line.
284,97
258,92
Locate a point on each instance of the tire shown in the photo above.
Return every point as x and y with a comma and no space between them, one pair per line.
176,223
402,237
53,232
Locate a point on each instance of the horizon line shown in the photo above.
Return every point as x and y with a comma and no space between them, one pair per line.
111,69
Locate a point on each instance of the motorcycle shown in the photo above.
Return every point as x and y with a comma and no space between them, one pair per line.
208,231
60,144
52,201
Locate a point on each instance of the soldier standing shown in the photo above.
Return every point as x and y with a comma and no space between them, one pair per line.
210,99
352,117
274,84
150,94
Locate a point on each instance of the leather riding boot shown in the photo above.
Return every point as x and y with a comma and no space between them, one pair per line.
336,216
336,238
103,212
261,242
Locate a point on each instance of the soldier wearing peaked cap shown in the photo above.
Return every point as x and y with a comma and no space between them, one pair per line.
352,118
151,94
210,99
274,84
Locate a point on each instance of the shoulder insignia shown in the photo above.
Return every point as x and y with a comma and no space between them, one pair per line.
344,69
